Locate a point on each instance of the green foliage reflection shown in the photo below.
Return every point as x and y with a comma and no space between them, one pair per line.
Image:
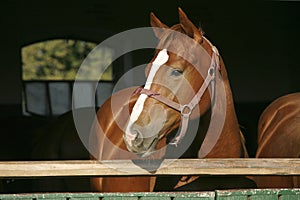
61,59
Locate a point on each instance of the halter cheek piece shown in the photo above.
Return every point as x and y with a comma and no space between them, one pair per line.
187,109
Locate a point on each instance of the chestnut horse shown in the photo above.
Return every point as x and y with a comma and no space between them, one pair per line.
279,137
142,123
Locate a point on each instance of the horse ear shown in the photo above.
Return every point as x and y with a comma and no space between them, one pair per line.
188,26
155,22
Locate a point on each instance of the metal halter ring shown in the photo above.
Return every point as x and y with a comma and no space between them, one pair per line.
211,71
186,111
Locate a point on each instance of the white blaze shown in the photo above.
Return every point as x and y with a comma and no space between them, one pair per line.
161,59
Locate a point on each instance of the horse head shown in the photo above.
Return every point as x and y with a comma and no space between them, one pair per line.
174,86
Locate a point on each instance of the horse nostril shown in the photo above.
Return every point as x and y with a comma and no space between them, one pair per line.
130,137
138,139
138,142
134,137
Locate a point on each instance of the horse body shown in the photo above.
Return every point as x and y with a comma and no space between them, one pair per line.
279,137
136,124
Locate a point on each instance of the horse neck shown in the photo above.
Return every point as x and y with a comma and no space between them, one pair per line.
222,139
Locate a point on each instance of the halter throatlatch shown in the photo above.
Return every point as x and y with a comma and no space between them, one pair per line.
187,109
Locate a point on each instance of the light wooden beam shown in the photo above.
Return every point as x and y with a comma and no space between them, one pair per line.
167,167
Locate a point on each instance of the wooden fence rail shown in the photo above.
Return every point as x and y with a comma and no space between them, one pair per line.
167,167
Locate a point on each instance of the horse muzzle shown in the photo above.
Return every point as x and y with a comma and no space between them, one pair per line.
143,129
143,147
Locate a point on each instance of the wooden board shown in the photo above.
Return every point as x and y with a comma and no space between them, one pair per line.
168,167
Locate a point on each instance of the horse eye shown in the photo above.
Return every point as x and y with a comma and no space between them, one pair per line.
176,72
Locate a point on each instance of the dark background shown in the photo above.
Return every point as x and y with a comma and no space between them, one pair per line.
257,40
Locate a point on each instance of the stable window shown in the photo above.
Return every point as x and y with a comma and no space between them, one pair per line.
49,69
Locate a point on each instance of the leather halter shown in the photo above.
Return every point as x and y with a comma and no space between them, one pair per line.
187,109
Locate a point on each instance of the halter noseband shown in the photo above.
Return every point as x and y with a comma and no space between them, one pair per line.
186,110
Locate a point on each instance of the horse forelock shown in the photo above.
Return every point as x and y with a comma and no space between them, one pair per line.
173,39
170,38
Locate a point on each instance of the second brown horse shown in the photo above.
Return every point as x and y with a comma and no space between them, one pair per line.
279,137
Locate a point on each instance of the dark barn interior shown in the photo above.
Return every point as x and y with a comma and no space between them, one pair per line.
258,42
